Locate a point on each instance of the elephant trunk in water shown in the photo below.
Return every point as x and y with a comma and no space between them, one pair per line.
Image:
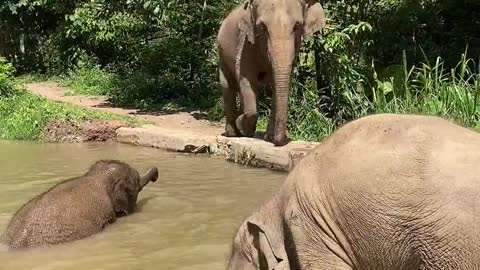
282,57
150,175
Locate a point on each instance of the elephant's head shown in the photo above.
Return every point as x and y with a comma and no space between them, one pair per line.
122,182
279,26
259,243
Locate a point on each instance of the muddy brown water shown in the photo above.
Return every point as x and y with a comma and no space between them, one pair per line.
186,220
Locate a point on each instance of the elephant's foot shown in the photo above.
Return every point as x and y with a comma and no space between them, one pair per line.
280,140
247,125
269,137
280,143
231,131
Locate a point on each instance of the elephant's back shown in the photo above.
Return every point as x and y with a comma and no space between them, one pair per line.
427,152
400,187
403,161
68,211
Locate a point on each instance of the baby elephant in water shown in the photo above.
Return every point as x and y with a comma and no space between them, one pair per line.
78,207
383,192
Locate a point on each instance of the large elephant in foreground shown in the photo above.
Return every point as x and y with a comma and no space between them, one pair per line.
78,207
258,43
383,192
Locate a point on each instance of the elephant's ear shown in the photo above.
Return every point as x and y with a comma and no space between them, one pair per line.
315,18
245,24
120,197
270,246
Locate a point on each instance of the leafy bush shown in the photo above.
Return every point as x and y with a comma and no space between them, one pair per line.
89,78
7,86
422,89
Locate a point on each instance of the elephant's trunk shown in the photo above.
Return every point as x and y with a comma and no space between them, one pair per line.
282,56
150,176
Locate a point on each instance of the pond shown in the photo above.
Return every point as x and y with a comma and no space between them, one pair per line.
186,220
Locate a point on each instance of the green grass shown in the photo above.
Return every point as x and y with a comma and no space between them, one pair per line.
431,89
93,80
428,89
24,116
89,80
29,78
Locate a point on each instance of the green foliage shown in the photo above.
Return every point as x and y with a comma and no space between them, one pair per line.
161,55
159,50
24,116
355,66
90,79
433,89
424,89
7,87
306,119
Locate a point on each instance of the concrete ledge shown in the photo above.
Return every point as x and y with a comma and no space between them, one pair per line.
168,139
246,151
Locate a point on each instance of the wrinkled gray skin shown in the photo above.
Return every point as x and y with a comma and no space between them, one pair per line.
78,207
383,192
258,43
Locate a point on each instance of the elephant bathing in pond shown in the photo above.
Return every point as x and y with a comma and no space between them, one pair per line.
258,43
78,207
383,192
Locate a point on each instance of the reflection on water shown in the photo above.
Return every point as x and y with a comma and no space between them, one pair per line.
186,220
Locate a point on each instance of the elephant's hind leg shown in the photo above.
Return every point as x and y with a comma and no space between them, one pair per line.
229,105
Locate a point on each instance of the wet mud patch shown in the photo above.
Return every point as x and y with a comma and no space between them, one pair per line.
87,131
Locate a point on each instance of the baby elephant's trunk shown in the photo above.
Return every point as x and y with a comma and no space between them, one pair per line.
150,175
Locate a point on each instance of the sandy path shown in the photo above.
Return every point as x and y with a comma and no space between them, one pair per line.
180,120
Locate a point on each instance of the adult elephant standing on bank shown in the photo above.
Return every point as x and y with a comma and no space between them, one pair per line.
258,43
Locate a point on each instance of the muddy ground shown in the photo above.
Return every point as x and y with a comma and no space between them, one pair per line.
183,120
88,131
105,130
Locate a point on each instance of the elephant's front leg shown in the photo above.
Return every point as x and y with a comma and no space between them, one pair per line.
247,121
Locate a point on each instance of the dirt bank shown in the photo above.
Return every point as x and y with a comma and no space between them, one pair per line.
88,131
192,121
182,132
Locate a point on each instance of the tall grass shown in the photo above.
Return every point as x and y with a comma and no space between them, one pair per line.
434,90
90,79
428,89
